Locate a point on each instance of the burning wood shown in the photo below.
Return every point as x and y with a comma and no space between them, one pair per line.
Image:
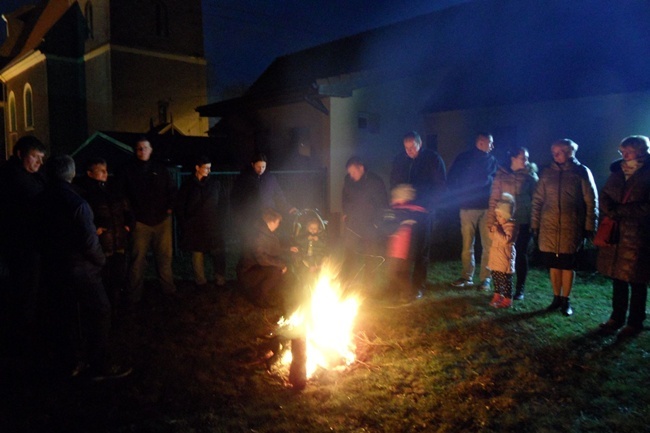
321,331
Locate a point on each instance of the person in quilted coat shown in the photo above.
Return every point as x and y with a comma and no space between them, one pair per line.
626,198
519,179
564,213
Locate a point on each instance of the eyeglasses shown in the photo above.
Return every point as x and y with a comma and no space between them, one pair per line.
627,152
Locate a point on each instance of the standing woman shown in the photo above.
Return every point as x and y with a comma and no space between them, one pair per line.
518,179
565,208
626,199
199,211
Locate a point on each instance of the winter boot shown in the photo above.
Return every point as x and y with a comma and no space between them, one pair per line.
566,306
557,302
496,299
519,294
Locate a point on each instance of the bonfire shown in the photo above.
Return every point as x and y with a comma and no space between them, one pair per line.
321,330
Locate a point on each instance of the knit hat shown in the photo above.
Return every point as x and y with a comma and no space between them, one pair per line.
506,206
402,193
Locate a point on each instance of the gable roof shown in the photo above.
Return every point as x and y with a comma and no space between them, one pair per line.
483,53
27,27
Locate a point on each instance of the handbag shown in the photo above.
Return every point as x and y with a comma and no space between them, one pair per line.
607,233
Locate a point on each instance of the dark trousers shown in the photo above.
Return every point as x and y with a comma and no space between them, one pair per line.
267,286
521,260
114,277
80,318
637,301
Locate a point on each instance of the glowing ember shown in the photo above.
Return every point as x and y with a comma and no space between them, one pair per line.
327,322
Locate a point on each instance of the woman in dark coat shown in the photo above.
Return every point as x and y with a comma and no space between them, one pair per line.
200,216
626,198
565,208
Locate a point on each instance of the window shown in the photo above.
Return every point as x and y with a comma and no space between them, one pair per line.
368,122
88,12
28,102
162,21
13,122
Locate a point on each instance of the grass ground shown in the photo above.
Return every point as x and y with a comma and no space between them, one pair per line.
446,363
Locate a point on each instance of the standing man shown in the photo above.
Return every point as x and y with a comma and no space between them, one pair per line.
21,182
425,171
151,191
470,182
73,261
363,200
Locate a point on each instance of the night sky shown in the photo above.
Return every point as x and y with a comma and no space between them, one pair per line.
242,37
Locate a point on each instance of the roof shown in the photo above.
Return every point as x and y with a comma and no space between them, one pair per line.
27,27
476,54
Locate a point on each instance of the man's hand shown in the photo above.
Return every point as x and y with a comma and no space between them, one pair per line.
101,230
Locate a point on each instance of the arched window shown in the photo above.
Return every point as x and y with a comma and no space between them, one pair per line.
28,101
88,12
13,122
162,20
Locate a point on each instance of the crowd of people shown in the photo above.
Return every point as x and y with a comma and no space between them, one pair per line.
74,245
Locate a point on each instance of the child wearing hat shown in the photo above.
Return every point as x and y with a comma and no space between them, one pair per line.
502,251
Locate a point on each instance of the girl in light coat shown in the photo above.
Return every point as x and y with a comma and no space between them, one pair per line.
502,251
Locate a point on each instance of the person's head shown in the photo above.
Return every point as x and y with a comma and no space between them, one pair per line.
271,218
355,168
563,150
402,193
412,144
518,158
485,142
96,168
31,153
258,163
60,168
505,208
634,147
202,167
143,149
313,226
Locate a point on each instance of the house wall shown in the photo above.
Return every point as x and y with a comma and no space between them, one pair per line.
99,91
182,83
596,123
36,76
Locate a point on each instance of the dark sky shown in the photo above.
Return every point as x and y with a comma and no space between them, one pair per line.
242,37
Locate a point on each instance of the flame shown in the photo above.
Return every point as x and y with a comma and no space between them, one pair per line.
327,321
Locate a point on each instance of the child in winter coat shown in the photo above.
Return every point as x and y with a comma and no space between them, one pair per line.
502,252
403,223
312,246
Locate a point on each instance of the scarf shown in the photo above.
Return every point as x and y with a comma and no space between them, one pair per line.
630,167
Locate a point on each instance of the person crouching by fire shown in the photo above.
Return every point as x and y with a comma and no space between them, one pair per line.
404,223
262,271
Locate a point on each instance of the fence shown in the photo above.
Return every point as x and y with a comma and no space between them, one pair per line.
302,188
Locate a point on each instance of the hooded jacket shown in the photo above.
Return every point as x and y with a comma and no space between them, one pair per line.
629,259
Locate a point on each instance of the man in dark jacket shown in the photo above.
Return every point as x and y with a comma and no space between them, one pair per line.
363,200
425,171
262,271
149,187
470,181
113,219
21,182
73,261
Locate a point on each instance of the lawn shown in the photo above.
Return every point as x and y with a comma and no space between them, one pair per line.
445,363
